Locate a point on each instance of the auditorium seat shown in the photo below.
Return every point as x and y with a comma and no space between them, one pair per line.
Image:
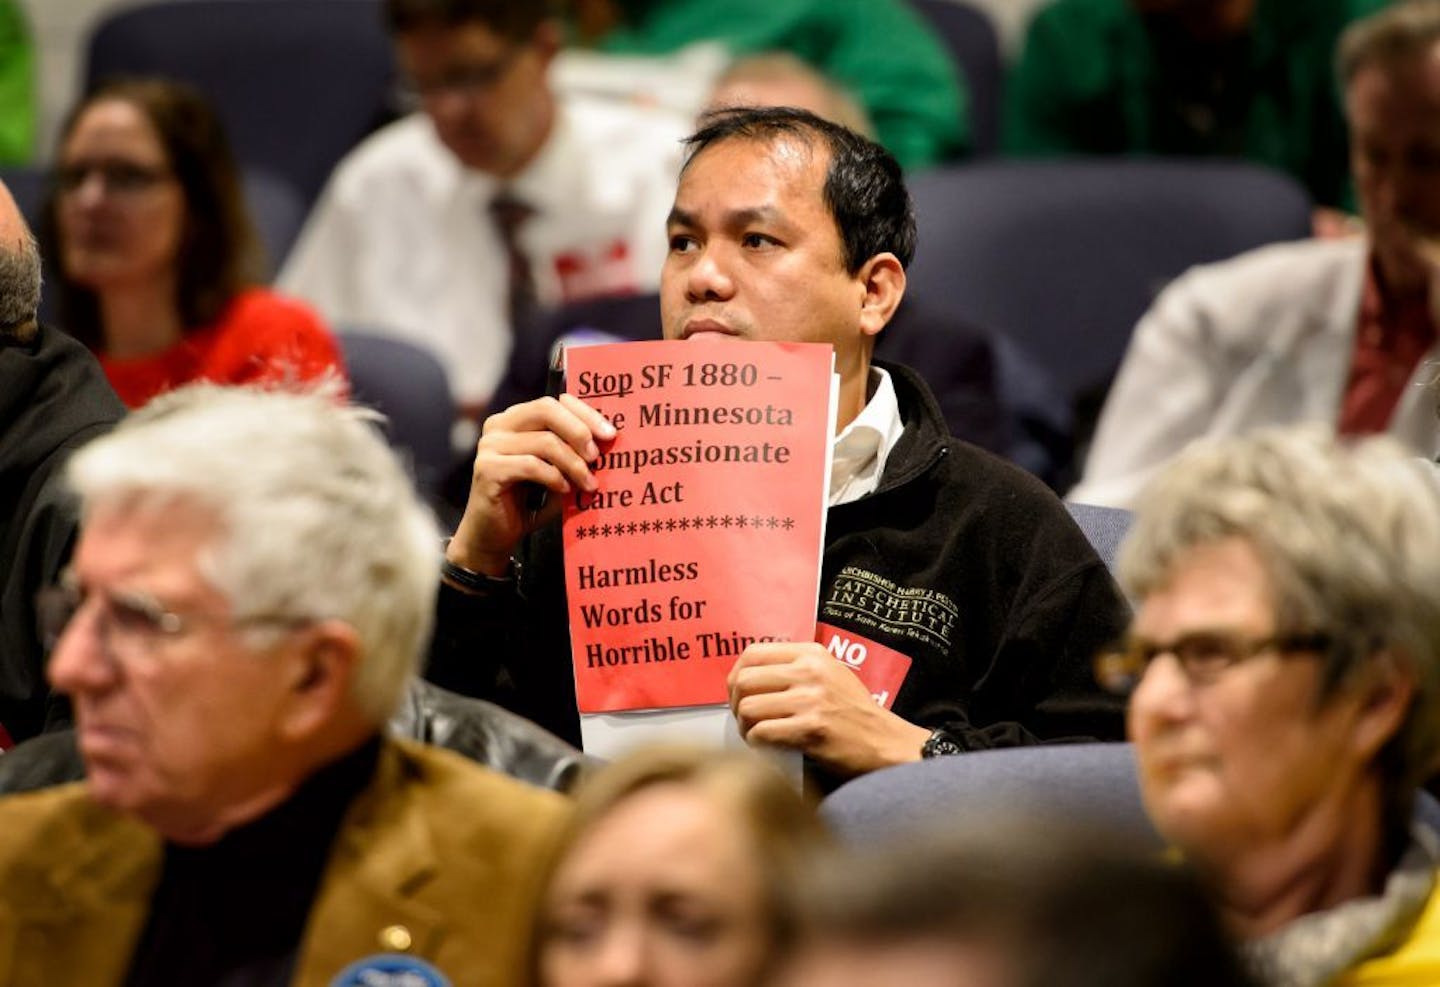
408,385
297,82
277,211
1090,784
1065,256
1086,783
1105,527
974,44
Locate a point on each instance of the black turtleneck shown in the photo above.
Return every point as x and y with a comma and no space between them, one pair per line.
231,914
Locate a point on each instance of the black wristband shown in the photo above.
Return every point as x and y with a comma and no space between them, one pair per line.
940,744
477,582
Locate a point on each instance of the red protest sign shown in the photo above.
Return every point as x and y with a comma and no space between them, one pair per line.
706,531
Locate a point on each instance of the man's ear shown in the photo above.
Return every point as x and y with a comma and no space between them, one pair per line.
883,279
321,666
548,39
1385,693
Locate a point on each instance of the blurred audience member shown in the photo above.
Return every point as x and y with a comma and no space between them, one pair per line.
155,259
677,871
53,398
778,78
883,51
17,85
1006,903
253,583
1286,660
449,227
1240,78
1339,332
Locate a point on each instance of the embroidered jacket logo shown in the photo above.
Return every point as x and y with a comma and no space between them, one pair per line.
863,597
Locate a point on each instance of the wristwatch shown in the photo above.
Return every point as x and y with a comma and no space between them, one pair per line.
478,583
940,744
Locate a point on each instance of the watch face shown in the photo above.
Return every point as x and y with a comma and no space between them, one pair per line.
940,745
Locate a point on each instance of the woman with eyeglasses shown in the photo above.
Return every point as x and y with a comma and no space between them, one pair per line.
1285,659
677,870
153,254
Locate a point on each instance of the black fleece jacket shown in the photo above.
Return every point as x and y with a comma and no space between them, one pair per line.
952,524
53,399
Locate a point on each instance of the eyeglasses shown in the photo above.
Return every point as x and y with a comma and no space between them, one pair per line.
130,625
1203,656
121,178
464,80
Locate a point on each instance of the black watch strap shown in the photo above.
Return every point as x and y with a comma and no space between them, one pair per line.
478,582
940,744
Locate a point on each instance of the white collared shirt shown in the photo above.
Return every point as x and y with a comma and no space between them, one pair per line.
858,455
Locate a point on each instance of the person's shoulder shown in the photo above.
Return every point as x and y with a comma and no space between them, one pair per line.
496,804
1292,269
403,152
52,391
614,126
1002,484
973,475
1298,256
1061,18
46,826
27,814
995,510
972,482
1414,959
1074,54
258,308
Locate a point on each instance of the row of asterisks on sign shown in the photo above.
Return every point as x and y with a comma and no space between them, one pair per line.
682,524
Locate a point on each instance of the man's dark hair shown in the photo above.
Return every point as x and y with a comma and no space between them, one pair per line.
864,188
515,20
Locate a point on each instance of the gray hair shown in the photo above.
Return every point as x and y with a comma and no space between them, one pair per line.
1349,536
20,291
1396,34
318,518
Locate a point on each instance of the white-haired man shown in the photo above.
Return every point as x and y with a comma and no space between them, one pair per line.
252,586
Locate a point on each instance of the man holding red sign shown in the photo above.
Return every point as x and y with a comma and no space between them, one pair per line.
961,574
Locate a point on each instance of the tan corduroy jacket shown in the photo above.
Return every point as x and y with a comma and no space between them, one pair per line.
437,858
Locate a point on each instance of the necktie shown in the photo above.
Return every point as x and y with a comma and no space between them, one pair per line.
509,214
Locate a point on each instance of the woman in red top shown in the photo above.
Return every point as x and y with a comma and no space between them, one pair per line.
154,255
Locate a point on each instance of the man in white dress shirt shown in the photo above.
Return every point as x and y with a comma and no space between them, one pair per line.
499,194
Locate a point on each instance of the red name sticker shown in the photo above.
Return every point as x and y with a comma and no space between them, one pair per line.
882,669
605,269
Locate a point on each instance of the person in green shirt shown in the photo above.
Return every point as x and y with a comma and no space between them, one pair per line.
17,85
880,50
1251,79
